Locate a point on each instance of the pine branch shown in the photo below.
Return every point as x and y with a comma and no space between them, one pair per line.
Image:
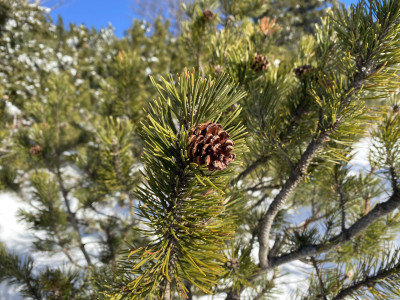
365,68
295,178
394,178
72,216
125,188
19,272
318,274
165,286
342,199
388,275
277,244
297,113
181,202
61,244
258,162
359,226
268,287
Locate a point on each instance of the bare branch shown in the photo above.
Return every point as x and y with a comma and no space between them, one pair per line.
295,178
366,282
318,273
270,284
299,171
342,198
72,216
304,225
394,178
362,224
258,162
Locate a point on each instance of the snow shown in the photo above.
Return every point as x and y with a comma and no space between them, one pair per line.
17,237
51,66
11,23
153,59
79,81
14,235
147,71
73,41
24,58
12,109
46,10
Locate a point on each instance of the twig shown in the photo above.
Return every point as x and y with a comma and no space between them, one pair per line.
359,226
318,273
394,178
367,281
296,176
267,287
340,192
71,215
299,171
303,225
259,161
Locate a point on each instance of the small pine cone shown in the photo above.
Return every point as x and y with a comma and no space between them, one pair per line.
35,150
260,63
209,144
233,263
208,15
396,109
302,71
218,70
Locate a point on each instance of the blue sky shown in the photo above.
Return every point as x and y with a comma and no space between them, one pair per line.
98,13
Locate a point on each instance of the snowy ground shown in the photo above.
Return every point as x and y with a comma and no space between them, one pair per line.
14,235
17,238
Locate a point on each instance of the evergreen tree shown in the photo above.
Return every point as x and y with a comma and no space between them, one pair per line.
297,18
236,169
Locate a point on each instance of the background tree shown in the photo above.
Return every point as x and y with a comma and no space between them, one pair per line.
135,192
297,18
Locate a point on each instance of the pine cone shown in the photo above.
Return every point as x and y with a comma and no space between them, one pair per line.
303,71
233,263
218,70
208,15
209,144
260,63
35,150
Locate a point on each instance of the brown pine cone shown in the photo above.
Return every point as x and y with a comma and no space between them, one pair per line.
208,14
233,263
260,63
35,150
303,71
218,70
209,144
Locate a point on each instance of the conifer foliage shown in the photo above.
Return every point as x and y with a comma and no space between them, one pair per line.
212,182
182,202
